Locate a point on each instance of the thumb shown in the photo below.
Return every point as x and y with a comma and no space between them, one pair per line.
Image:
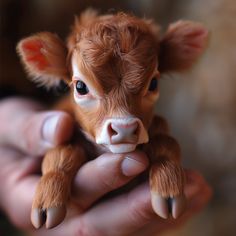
25,126
42,131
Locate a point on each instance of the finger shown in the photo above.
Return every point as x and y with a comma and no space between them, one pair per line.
195,183
18,202
106,173
14,167
197,190
17,193
129,213
33,132
119,216
41,131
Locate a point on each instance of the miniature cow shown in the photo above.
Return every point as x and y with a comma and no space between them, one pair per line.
113,64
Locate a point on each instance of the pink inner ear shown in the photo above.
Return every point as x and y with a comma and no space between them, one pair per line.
197,38
34,55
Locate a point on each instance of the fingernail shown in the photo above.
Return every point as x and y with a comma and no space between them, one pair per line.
131,167
49,128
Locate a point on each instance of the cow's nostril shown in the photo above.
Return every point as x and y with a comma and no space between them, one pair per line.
111,131
136,130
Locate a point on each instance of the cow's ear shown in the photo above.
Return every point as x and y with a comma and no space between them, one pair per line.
44,57
182,44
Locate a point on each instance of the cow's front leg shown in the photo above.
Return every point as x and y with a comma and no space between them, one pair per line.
58,169
166,177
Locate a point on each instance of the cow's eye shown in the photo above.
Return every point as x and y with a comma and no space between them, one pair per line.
81,88
153,85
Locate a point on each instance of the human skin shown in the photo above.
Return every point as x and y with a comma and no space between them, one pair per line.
27,132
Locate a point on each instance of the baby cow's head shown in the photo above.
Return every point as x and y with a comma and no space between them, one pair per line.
113,63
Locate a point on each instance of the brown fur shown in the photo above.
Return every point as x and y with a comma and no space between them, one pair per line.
116,50
167,178
59,167
119,54
159,125
166,174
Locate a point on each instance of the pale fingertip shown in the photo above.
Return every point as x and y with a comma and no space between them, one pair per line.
57,128
49,128
64,129
134,163
131,167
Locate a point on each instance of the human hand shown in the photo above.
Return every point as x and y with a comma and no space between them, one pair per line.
26,127
126,214
26,132
130,214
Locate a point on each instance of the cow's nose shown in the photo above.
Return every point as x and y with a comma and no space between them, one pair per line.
123,133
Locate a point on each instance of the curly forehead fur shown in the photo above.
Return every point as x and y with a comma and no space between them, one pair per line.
121,50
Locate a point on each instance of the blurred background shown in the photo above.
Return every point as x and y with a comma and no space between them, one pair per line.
199,105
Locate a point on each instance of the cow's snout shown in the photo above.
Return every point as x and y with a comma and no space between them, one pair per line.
121,135
123,132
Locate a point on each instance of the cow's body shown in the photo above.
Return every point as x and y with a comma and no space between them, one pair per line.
113,64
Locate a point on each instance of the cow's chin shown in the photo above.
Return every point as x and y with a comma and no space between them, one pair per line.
121,148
